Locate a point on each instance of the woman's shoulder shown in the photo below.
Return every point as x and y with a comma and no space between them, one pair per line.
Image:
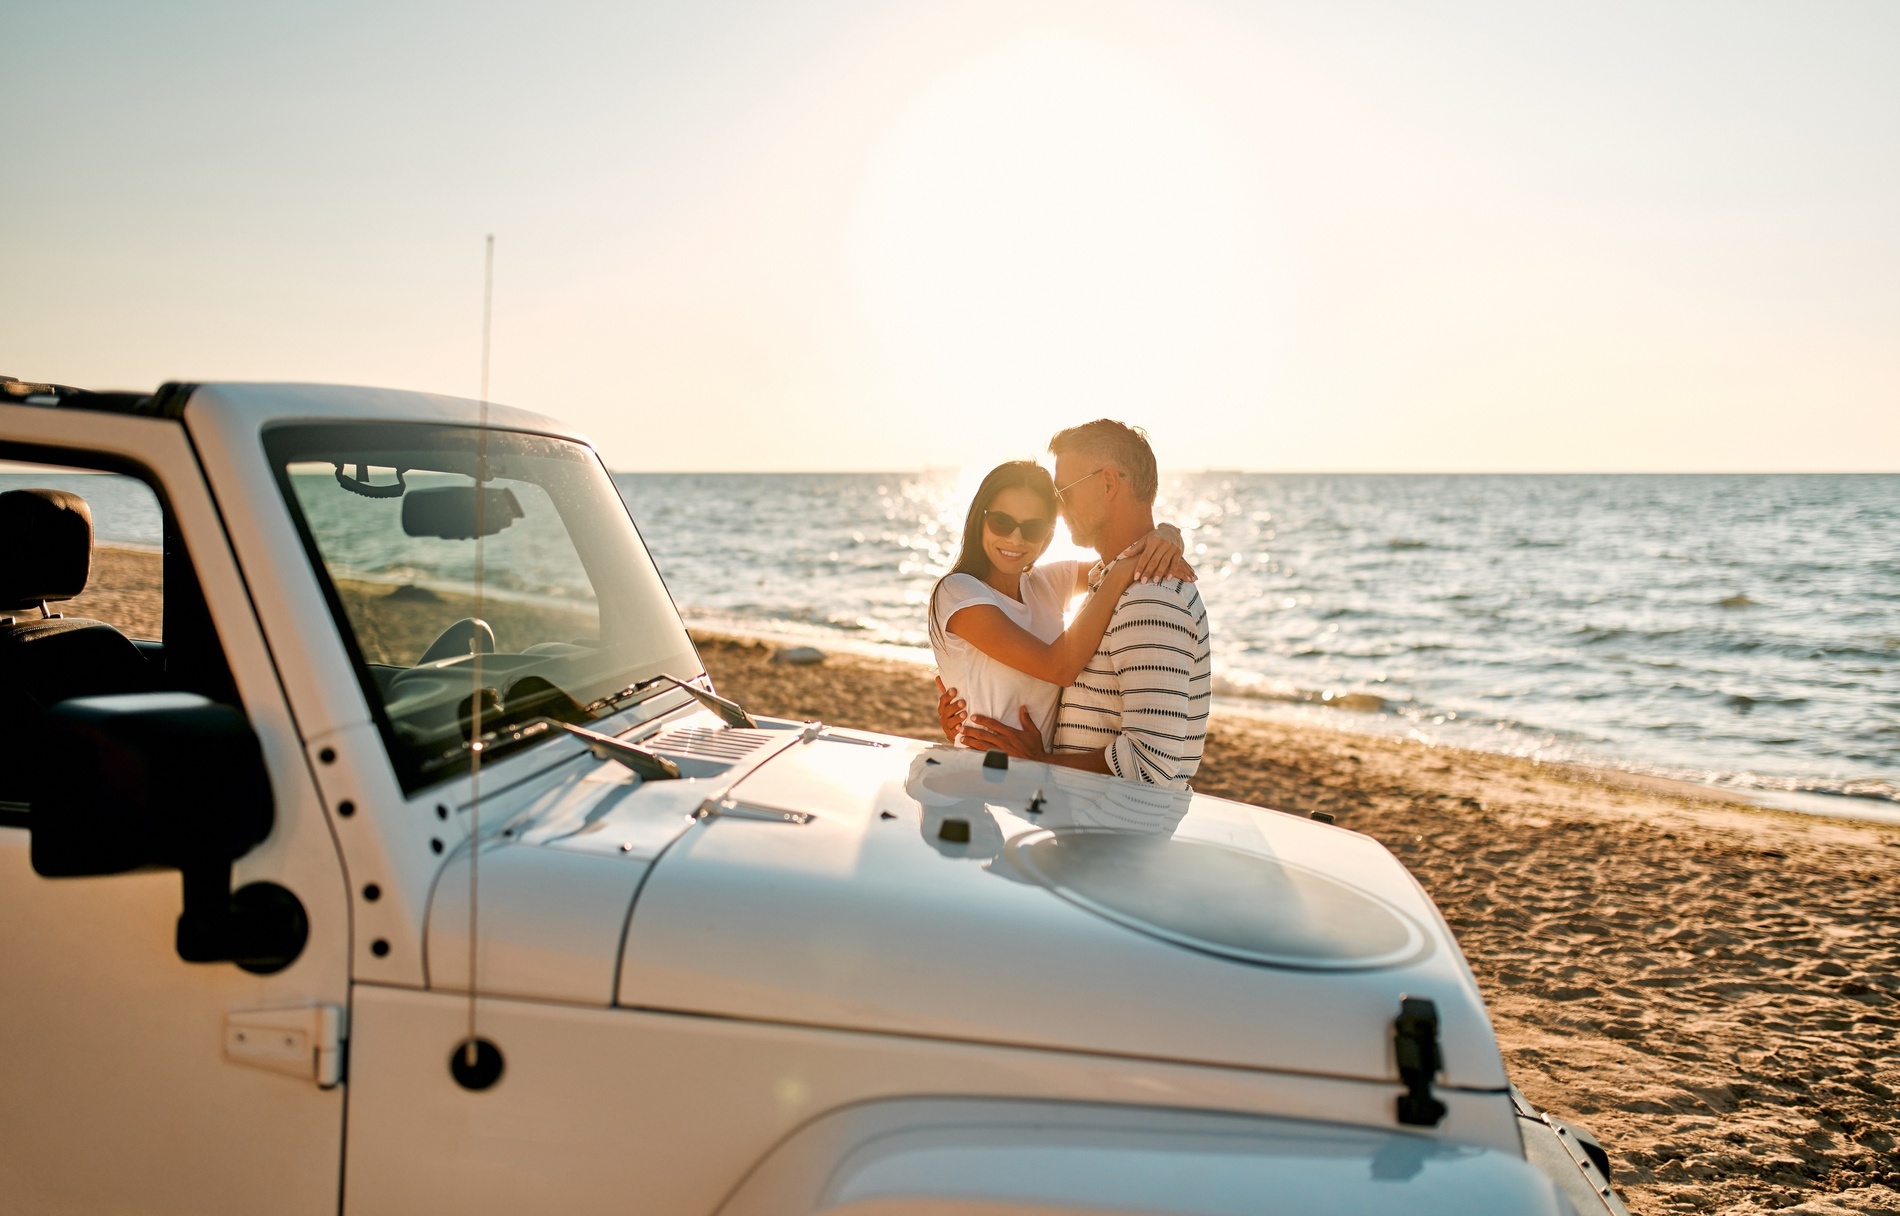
968,585
960,591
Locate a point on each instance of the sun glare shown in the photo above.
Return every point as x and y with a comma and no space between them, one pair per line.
1049,232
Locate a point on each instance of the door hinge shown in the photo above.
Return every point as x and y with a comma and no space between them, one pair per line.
305,1042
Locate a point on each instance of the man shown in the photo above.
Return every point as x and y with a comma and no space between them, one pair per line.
1139,709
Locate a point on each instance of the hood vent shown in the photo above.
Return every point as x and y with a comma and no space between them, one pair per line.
703,743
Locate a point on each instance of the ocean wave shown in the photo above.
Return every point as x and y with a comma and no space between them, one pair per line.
1873,789
1596,635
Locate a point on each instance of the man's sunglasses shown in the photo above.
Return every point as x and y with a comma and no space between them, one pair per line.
1062,493
1001,524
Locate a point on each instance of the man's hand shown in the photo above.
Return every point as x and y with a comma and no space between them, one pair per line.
987,734
950,711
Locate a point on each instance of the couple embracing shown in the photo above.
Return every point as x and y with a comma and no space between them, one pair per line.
1125,688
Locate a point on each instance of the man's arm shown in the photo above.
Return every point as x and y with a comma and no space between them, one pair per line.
1088,762
1154,642
1025,743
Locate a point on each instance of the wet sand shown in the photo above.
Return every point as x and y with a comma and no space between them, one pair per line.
1712,988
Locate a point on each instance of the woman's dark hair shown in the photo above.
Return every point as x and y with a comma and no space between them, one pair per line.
971,558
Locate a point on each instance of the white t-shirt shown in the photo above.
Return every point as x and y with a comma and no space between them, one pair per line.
990,687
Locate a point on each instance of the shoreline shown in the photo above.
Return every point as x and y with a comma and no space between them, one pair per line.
1711,986
1796,802
127,594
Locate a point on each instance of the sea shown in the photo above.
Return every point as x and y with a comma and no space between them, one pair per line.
1735,630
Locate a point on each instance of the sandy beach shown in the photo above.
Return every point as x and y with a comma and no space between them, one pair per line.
1712,988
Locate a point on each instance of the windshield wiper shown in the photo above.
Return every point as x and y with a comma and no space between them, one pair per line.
649,766
507,735
730,712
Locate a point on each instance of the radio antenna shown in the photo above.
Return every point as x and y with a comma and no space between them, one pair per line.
480,1060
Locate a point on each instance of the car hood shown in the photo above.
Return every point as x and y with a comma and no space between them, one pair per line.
878,884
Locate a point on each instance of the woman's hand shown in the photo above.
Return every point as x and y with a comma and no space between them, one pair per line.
1158,555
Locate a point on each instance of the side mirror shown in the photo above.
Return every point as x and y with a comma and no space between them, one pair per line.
170,780
449,512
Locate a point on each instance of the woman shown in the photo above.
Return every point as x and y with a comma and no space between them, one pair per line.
996,618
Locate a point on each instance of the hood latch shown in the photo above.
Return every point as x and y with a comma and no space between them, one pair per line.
1415,1042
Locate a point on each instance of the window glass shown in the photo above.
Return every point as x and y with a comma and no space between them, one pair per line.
401,592
126,588
562,597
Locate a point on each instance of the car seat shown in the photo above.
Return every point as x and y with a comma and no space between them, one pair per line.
46,557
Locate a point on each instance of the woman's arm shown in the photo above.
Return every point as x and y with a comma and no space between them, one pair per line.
1059,662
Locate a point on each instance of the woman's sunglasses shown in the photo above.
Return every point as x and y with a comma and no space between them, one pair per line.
1001,524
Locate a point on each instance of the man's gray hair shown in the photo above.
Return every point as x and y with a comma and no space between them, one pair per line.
1113,443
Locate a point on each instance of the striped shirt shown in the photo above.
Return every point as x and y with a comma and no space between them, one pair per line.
1143,698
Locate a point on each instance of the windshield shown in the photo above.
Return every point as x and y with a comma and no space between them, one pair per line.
571,612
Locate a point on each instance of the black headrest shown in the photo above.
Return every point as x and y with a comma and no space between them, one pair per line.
45,547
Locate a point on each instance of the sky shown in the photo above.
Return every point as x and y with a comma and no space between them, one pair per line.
898,234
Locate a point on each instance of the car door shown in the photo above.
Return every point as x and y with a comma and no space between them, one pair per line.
130,1080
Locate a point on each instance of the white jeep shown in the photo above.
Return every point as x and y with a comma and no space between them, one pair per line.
249,866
